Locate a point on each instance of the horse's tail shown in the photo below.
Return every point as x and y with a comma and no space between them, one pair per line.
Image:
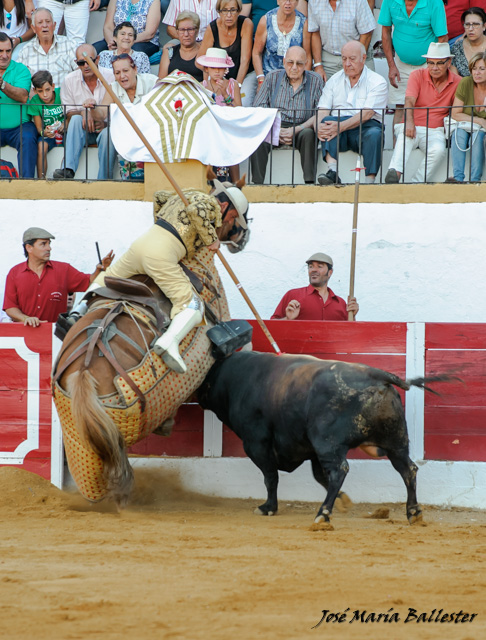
96,428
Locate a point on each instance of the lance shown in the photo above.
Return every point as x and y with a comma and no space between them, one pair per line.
354,232
180,193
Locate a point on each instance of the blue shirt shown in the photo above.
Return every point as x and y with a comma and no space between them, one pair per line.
413,34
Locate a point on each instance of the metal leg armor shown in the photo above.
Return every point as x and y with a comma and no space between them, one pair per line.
167,346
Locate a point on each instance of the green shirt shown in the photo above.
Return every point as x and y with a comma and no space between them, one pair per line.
413,33
465,92
50,113
11,111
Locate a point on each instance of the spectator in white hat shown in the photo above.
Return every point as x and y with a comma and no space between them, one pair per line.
434,88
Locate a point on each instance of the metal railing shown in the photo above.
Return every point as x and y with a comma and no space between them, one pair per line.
294,178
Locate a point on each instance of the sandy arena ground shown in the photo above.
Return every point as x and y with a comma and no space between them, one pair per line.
176,565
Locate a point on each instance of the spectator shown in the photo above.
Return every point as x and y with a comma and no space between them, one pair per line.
144,15
435,88
37,290
80,92
129,86
332,24
470,91
233,33
16,129
295,92
48,113
358,96
415,25
75,14
182,56
125,35
474,40
255,10
205,9
278,30
317,301
15,22
48,51
454,10
226,92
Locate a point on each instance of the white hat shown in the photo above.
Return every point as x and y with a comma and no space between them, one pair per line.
438,50
216,58
238,199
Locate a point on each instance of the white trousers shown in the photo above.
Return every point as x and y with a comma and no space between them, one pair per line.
436,149
76,18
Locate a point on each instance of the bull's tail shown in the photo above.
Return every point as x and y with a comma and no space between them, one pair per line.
97,429
422,383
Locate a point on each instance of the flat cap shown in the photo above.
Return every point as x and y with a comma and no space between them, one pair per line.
34,233
320,257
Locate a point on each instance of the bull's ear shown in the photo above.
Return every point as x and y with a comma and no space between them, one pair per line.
210,175
241,182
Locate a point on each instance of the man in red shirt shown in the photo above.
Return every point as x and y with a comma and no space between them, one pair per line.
317,301
434,88
36,291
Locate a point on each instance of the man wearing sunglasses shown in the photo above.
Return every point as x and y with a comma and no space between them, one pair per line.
433,89
81,91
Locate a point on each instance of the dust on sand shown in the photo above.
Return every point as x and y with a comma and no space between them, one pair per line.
178,565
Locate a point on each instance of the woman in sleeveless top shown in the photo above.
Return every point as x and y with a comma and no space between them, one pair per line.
15,22
183,55
277,31
233,33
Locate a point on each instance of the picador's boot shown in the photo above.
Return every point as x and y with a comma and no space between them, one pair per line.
167,345
80,309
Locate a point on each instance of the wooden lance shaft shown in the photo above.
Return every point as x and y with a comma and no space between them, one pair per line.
354,235
180,193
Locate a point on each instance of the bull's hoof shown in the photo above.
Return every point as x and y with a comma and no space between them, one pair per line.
261,511
343,502
416,518
320,524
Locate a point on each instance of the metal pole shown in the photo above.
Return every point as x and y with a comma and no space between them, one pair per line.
179,192
354,233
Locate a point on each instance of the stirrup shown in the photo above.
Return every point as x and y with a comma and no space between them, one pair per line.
173,359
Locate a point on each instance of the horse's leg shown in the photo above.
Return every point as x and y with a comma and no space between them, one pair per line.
96,428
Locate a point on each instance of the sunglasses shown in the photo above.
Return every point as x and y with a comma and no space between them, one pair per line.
81,63
436,64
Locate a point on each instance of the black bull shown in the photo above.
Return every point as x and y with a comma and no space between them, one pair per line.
291,408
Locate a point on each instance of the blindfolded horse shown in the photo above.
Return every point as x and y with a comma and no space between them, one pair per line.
111,389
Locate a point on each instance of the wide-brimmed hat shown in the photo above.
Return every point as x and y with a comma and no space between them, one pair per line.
238,199
438,50
36,233
320,257
215,58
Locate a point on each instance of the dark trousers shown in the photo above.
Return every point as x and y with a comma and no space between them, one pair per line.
371,136
304,142
24,139
146,47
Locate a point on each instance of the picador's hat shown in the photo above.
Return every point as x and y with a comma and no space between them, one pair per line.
238,200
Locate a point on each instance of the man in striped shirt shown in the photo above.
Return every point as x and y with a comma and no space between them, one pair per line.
47,51
333,23
295,92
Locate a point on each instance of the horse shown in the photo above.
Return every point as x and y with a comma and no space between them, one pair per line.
112,390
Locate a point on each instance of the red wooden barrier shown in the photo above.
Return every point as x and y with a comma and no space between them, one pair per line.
25,397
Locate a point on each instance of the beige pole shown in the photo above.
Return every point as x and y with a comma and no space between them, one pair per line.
354,235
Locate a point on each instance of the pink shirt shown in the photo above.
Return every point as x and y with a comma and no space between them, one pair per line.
75,91
420,86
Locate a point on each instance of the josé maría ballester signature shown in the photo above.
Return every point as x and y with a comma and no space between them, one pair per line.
390,616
